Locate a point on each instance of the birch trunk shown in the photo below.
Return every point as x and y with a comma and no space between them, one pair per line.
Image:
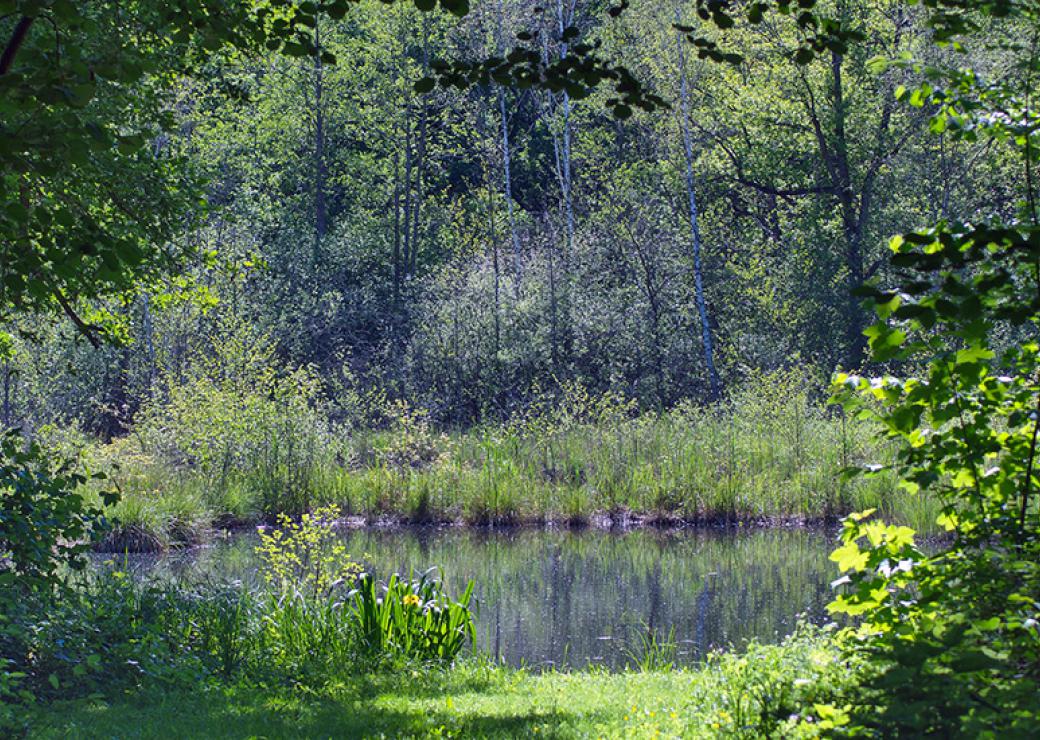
695,233
320,216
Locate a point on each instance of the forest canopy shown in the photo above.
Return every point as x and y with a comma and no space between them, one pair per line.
465,204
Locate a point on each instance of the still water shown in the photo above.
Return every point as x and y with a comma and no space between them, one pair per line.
568,598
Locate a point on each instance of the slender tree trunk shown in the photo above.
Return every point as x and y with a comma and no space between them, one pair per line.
408,167
518,259
14,43
320,217
507,164
554,329
493,238
149,338
420,156
397,229
562,152
695,234
7,395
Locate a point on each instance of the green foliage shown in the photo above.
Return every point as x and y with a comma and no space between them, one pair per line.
772,452
93,197
952,636
655,652
411,441
305,555
412,618
45,521
113,632
426,273
237,411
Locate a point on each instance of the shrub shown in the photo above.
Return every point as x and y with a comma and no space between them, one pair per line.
44,518
45,523
411,442
305,555
237,411
953,636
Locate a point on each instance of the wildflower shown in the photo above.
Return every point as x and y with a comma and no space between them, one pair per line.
412,600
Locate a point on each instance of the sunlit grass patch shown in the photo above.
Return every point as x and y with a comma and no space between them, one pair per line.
766,690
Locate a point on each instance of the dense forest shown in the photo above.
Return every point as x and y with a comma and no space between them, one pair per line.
470,250
633,319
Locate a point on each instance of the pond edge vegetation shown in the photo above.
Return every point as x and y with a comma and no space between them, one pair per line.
572,460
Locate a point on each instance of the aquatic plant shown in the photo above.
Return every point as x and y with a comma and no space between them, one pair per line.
412,617
654,651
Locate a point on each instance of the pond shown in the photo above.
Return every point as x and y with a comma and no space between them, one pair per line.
565,598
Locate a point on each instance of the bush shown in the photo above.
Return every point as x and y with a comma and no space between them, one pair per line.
44,518
237,412
45,525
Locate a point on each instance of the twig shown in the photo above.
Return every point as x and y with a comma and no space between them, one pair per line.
87,330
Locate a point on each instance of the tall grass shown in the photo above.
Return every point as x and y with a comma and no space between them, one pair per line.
112,631
768,453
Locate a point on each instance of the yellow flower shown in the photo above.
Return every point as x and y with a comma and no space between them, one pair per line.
412,600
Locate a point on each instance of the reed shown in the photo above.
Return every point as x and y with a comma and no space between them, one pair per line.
770,454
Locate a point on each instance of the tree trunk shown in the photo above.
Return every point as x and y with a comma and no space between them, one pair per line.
408,166
493,239
852,216
397,230
695,234
507,176
8,404
562,151
518,264
320,217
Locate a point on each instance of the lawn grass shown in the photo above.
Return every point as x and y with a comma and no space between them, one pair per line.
729,696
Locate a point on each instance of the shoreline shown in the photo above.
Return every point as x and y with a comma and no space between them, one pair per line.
134,540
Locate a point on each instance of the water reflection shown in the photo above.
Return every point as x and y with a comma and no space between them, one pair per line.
575,598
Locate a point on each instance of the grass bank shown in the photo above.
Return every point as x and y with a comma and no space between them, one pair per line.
768,690
768,454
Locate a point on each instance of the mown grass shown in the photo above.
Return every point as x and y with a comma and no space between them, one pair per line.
768,689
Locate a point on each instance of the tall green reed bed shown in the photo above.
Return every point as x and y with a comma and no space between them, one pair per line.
771,452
